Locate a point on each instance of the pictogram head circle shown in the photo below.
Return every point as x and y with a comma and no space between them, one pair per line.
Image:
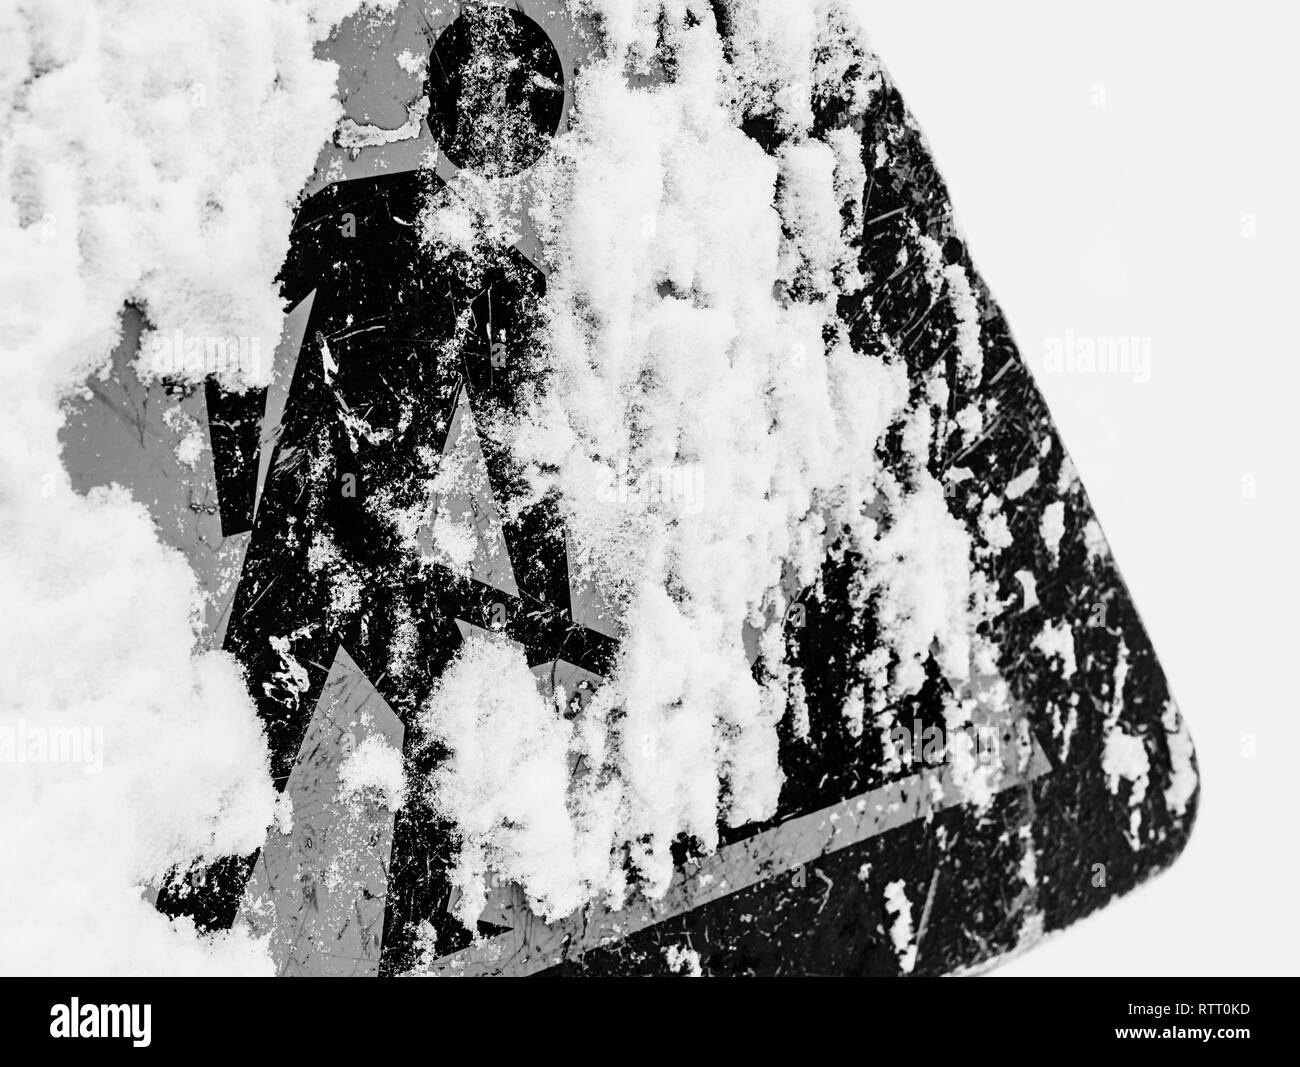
496,91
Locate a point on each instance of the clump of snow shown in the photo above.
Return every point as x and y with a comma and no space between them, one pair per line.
1094,539
1022,483
1029,857
156,159
150,158
454,542
1068,477
345,584
1182,768
682,959
900,931
374,769
995,531
855,710
412,63
1124,755
1058,641
1031,930
922,566
468,212
809,202
952,279
1052,528
97,637
784,57
504,782
1028,589
357,135
193,437
291,681
284,813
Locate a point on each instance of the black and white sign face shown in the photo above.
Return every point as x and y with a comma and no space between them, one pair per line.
971,743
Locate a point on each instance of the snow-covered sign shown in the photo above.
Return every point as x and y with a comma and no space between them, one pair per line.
650,552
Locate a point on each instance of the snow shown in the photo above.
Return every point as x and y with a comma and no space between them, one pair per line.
1094,539
1052,528
669,230
413,64
900,930
1182,777
1022,483
695,349
345,584
809,202
374,768
922,566
504,782
1166,488
970,354
995,531
682,959
1124,755
1029,858
1057,641
1068,478
1028,589
194,440
155,159
356,135
695,344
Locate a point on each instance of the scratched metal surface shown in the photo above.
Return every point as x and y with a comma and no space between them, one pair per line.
378,332
120,431
318,888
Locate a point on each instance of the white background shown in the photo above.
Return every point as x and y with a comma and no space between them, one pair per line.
1133,218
